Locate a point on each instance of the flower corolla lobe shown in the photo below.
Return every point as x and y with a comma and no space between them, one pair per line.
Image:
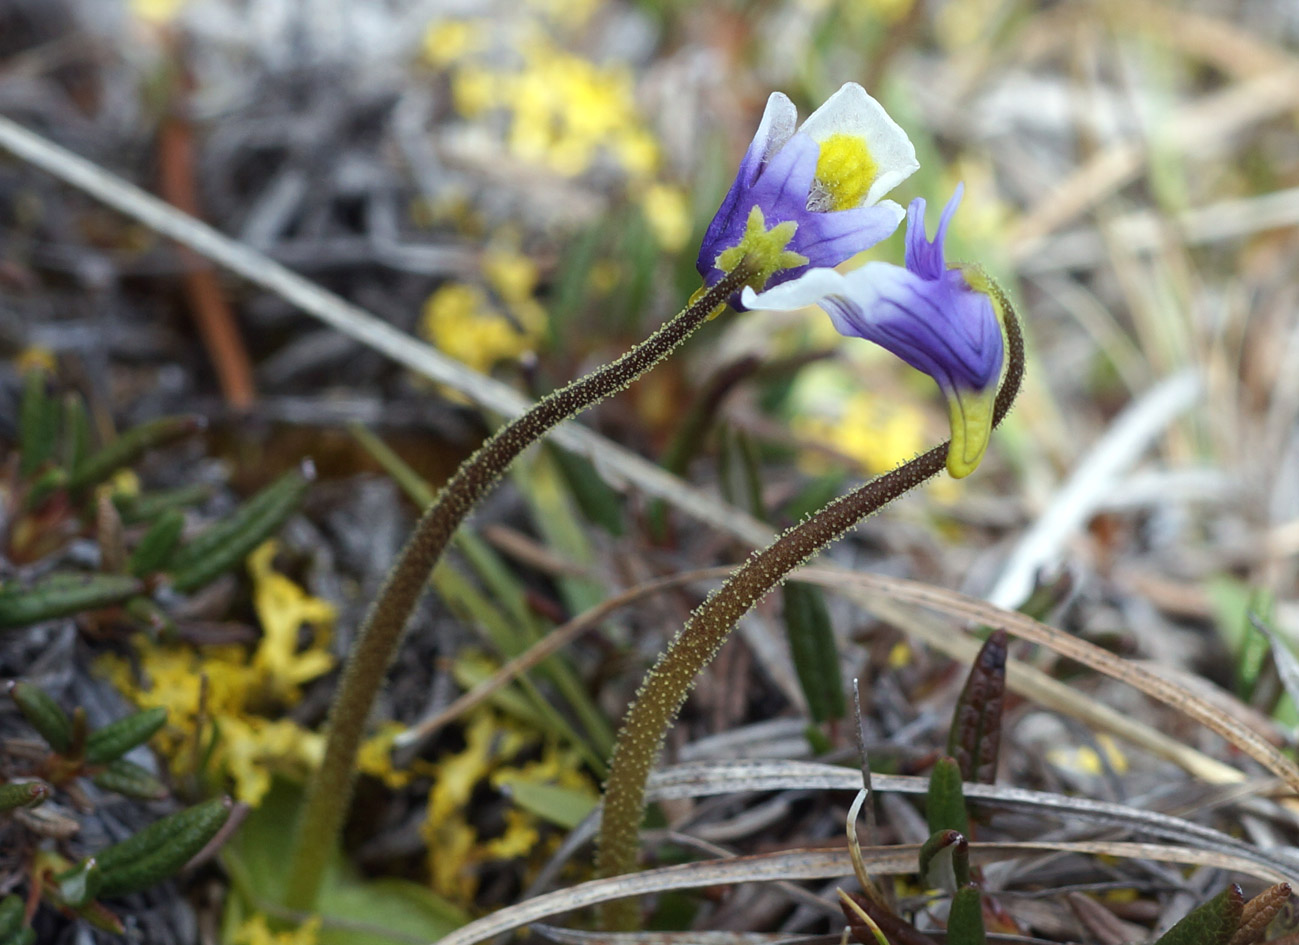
820,184
946,322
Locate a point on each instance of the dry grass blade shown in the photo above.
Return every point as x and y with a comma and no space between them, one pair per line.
1156,687
554,641
810,864
1034,684
1202,127
578,937
704,779
1092,481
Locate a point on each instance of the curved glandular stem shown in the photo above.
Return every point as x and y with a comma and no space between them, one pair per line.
330,788
668,684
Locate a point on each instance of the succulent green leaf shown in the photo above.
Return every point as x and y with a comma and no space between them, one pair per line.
76,430
23,794
43,714
130,780
129,447
965,921
161,849
116,739
945,861
222,546
62,595
1213,923
38,423
158,543
945,802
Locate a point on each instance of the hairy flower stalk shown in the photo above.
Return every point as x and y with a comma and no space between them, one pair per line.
330,788
668,684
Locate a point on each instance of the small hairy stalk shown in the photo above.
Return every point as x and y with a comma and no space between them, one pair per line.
668,684
330,788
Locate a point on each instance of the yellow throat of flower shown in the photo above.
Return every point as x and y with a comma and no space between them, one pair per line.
764,248
845,171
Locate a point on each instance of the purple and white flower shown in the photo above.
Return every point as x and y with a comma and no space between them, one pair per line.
810,197
946,322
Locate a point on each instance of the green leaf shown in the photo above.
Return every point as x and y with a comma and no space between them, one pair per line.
229,541
117,738
354,911
1213,923
43,714
945,802
816,655
965,921
38,423
63,594
563,806
945,861
129,447
600,503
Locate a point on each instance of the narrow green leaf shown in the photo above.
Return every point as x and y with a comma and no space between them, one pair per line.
61,595
563,806
130,780
161,849
599,502
965,921
76,430
117,738
147,506
157,544
129,447
945,802
222,546
816,655
38,423
17,794
945,861
43,714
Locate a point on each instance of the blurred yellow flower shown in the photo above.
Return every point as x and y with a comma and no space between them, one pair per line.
157,12
450,41
461,321
874,431
668,216
564,111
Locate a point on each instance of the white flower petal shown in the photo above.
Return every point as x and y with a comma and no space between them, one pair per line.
852,111
779,120
808,289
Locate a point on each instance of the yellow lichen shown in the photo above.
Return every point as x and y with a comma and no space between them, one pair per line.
232,699
492,745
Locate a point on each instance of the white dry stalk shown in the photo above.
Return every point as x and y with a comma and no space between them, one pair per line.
1092,482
